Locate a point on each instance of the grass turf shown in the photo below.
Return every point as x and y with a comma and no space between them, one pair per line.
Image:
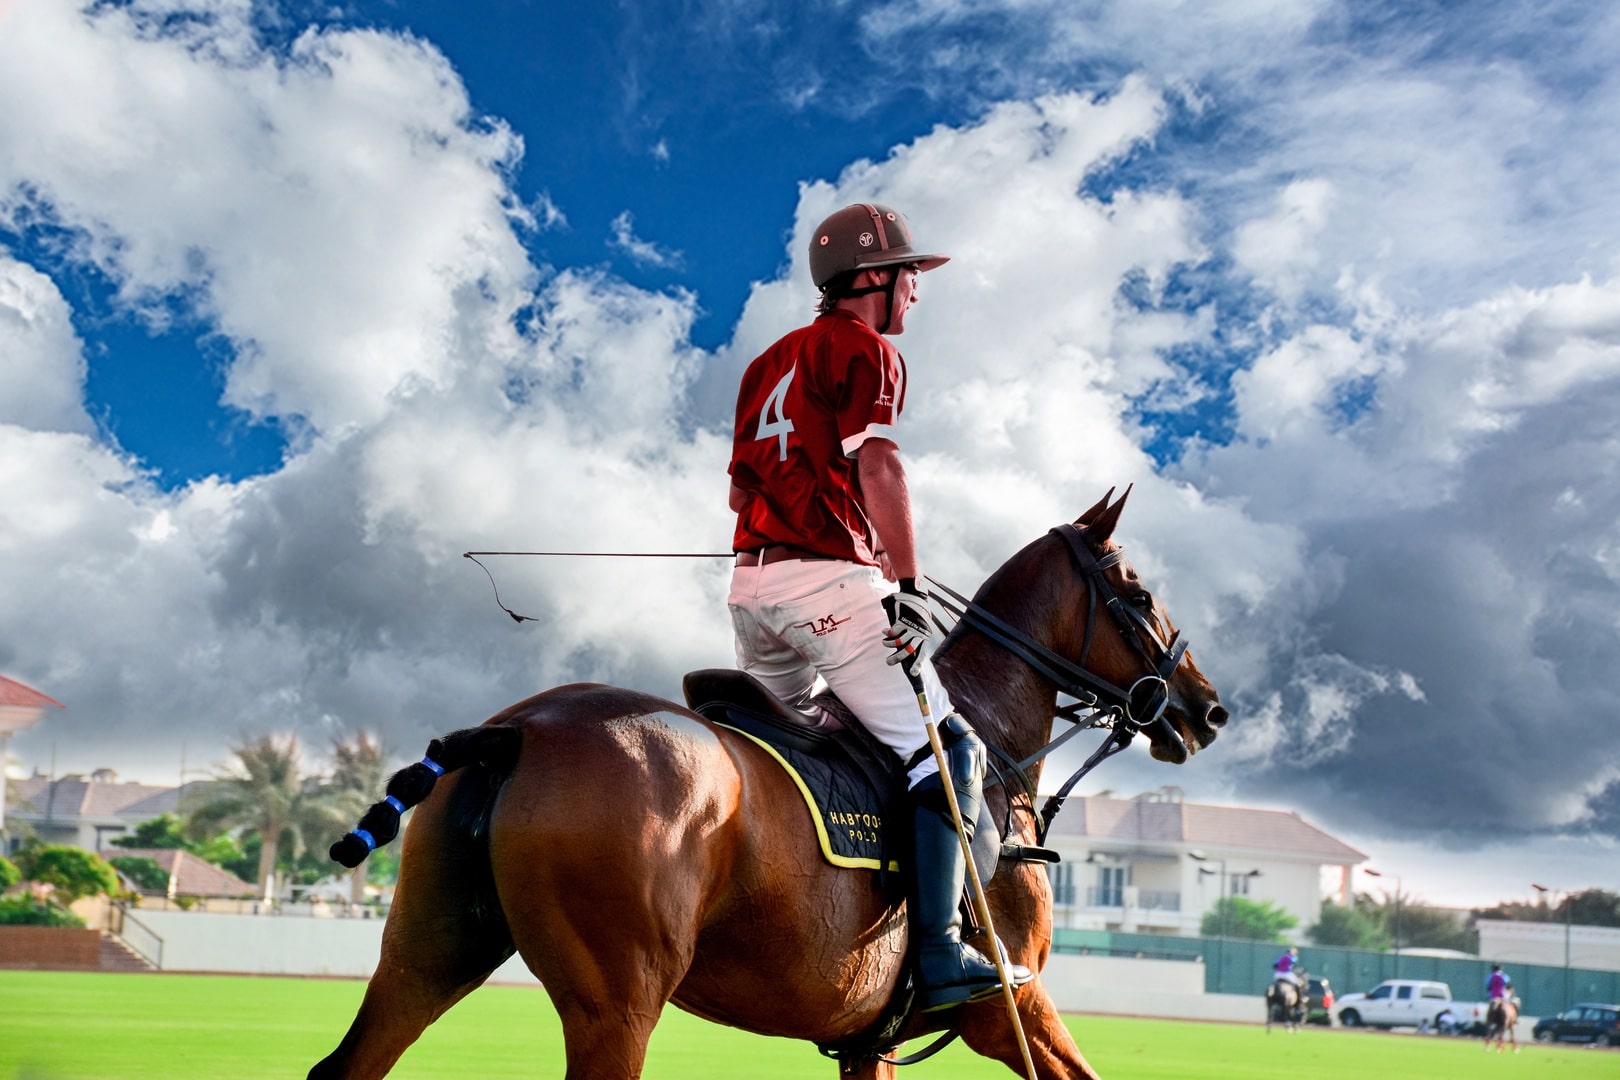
73,1026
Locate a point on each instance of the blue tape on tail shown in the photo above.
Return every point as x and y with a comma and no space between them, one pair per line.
399,807
438,770
366,839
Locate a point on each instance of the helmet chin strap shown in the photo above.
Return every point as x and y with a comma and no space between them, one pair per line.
887,289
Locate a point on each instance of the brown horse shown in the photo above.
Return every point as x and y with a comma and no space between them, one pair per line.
636,854
1284,1005
1501,1020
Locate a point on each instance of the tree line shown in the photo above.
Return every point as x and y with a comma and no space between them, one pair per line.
1378,924
262,813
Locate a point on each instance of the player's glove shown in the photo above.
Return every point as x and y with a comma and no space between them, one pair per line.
911,628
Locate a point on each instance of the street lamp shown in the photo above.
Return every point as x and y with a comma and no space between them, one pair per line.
1374,873
1569,912
1220,961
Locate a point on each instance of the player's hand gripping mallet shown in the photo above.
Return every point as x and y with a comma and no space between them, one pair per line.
981,903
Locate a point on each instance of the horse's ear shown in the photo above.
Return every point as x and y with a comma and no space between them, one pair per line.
1085,519
1101,526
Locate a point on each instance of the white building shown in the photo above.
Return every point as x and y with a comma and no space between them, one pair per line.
1156,864
85,811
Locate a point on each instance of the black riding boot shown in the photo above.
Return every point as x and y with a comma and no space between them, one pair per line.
949,972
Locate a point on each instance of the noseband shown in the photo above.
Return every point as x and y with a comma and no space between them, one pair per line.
1127,710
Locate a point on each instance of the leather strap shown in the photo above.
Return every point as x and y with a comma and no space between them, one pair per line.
776,553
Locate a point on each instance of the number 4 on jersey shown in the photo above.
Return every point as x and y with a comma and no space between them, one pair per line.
772,417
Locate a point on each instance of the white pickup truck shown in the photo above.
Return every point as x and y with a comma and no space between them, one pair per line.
1408,1003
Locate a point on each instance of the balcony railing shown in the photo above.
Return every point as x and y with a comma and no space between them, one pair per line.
1146,899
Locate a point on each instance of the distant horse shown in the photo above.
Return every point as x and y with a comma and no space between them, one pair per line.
1284,1005
1501,1019
635,854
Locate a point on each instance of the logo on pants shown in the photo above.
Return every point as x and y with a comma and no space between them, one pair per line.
823,626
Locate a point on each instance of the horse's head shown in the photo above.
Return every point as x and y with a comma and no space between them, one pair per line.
1128,640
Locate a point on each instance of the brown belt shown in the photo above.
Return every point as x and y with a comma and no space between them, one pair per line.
775,553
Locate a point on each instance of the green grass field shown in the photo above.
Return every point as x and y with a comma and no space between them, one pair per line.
70,1026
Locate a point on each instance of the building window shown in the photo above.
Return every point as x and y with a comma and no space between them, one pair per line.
1111,886
1238,884
1062,875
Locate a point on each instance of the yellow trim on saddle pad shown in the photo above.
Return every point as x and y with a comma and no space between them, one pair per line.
817,815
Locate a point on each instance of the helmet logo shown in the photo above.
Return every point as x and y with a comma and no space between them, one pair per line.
865,239
825,240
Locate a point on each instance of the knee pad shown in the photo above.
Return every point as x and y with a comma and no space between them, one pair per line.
964,762
964,753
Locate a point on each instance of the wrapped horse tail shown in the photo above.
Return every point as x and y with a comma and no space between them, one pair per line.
495,748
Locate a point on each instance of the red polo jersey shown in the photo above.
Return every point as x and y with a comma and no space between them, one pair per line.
805,406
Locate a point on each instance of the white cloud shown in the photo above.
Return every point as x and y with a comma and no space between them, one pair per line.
42,365
1280,248
269,188
642,252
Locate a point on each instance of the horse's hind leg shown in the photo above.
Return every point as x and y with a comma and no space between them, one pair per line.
606,896
609,951
438,945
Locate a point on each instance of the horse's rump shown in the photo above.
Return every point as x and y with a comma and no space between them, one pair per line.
627,816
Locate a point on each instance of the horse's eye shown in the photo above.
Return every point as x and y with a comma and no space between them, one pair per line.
1143,600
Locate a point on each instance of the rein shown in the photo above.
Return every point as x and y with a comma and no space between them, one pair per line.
1125,711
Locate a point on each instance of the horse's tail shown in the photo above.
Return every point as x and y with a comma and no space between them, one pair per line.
491,746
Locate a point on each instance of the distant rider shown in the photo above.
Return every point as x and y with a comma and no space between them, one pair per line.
1285,968
1497,985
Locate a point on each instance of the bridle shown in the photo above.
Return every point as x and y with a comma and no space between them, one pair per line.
1126,710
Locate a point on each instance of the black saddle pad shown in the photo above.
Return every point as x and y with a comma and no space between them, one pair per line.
851,783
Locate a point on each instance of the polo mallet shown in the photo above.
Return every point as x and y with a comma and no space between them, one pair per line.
981,903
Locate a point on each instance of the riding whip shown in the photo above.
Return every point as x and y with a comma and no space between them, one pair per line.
583,554
981,903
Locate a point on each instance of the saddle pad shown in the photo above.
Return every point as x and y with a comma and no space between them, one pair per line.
846,811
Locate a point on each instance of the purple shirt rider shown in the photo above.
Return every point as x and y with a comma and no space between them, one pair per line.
1496,986
1284,964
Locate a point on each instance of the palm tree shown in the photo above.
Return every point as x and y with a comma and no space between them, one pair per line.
358,777
265,791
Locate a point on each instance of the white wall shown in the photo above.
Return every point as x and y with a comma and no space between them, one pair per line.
279,945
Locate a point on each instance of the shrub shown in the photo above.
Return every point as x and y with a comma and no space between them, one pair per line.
28,911
9,874
142,870
1249,920
76,873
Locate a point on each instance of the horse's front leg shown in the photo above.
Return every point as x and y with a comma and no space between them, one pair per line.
988,1030
867,1070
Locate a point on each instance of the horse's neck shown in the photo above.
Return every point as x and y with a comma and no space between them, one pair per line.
1005,700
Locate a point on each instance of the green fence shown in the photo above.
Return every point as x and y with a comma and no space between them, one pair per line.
1244,967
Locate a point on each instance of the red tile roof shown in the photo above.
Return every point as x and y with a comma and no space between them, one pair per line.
16,695
197,877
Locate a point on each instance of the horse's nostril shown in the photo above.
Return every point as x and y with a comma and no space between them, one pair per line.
1216,716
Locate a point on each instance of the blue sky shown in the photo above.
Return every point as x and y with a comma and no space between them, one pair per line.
298,302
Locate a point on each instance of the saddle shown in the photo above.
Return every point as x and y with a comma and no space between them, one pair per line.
853,785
